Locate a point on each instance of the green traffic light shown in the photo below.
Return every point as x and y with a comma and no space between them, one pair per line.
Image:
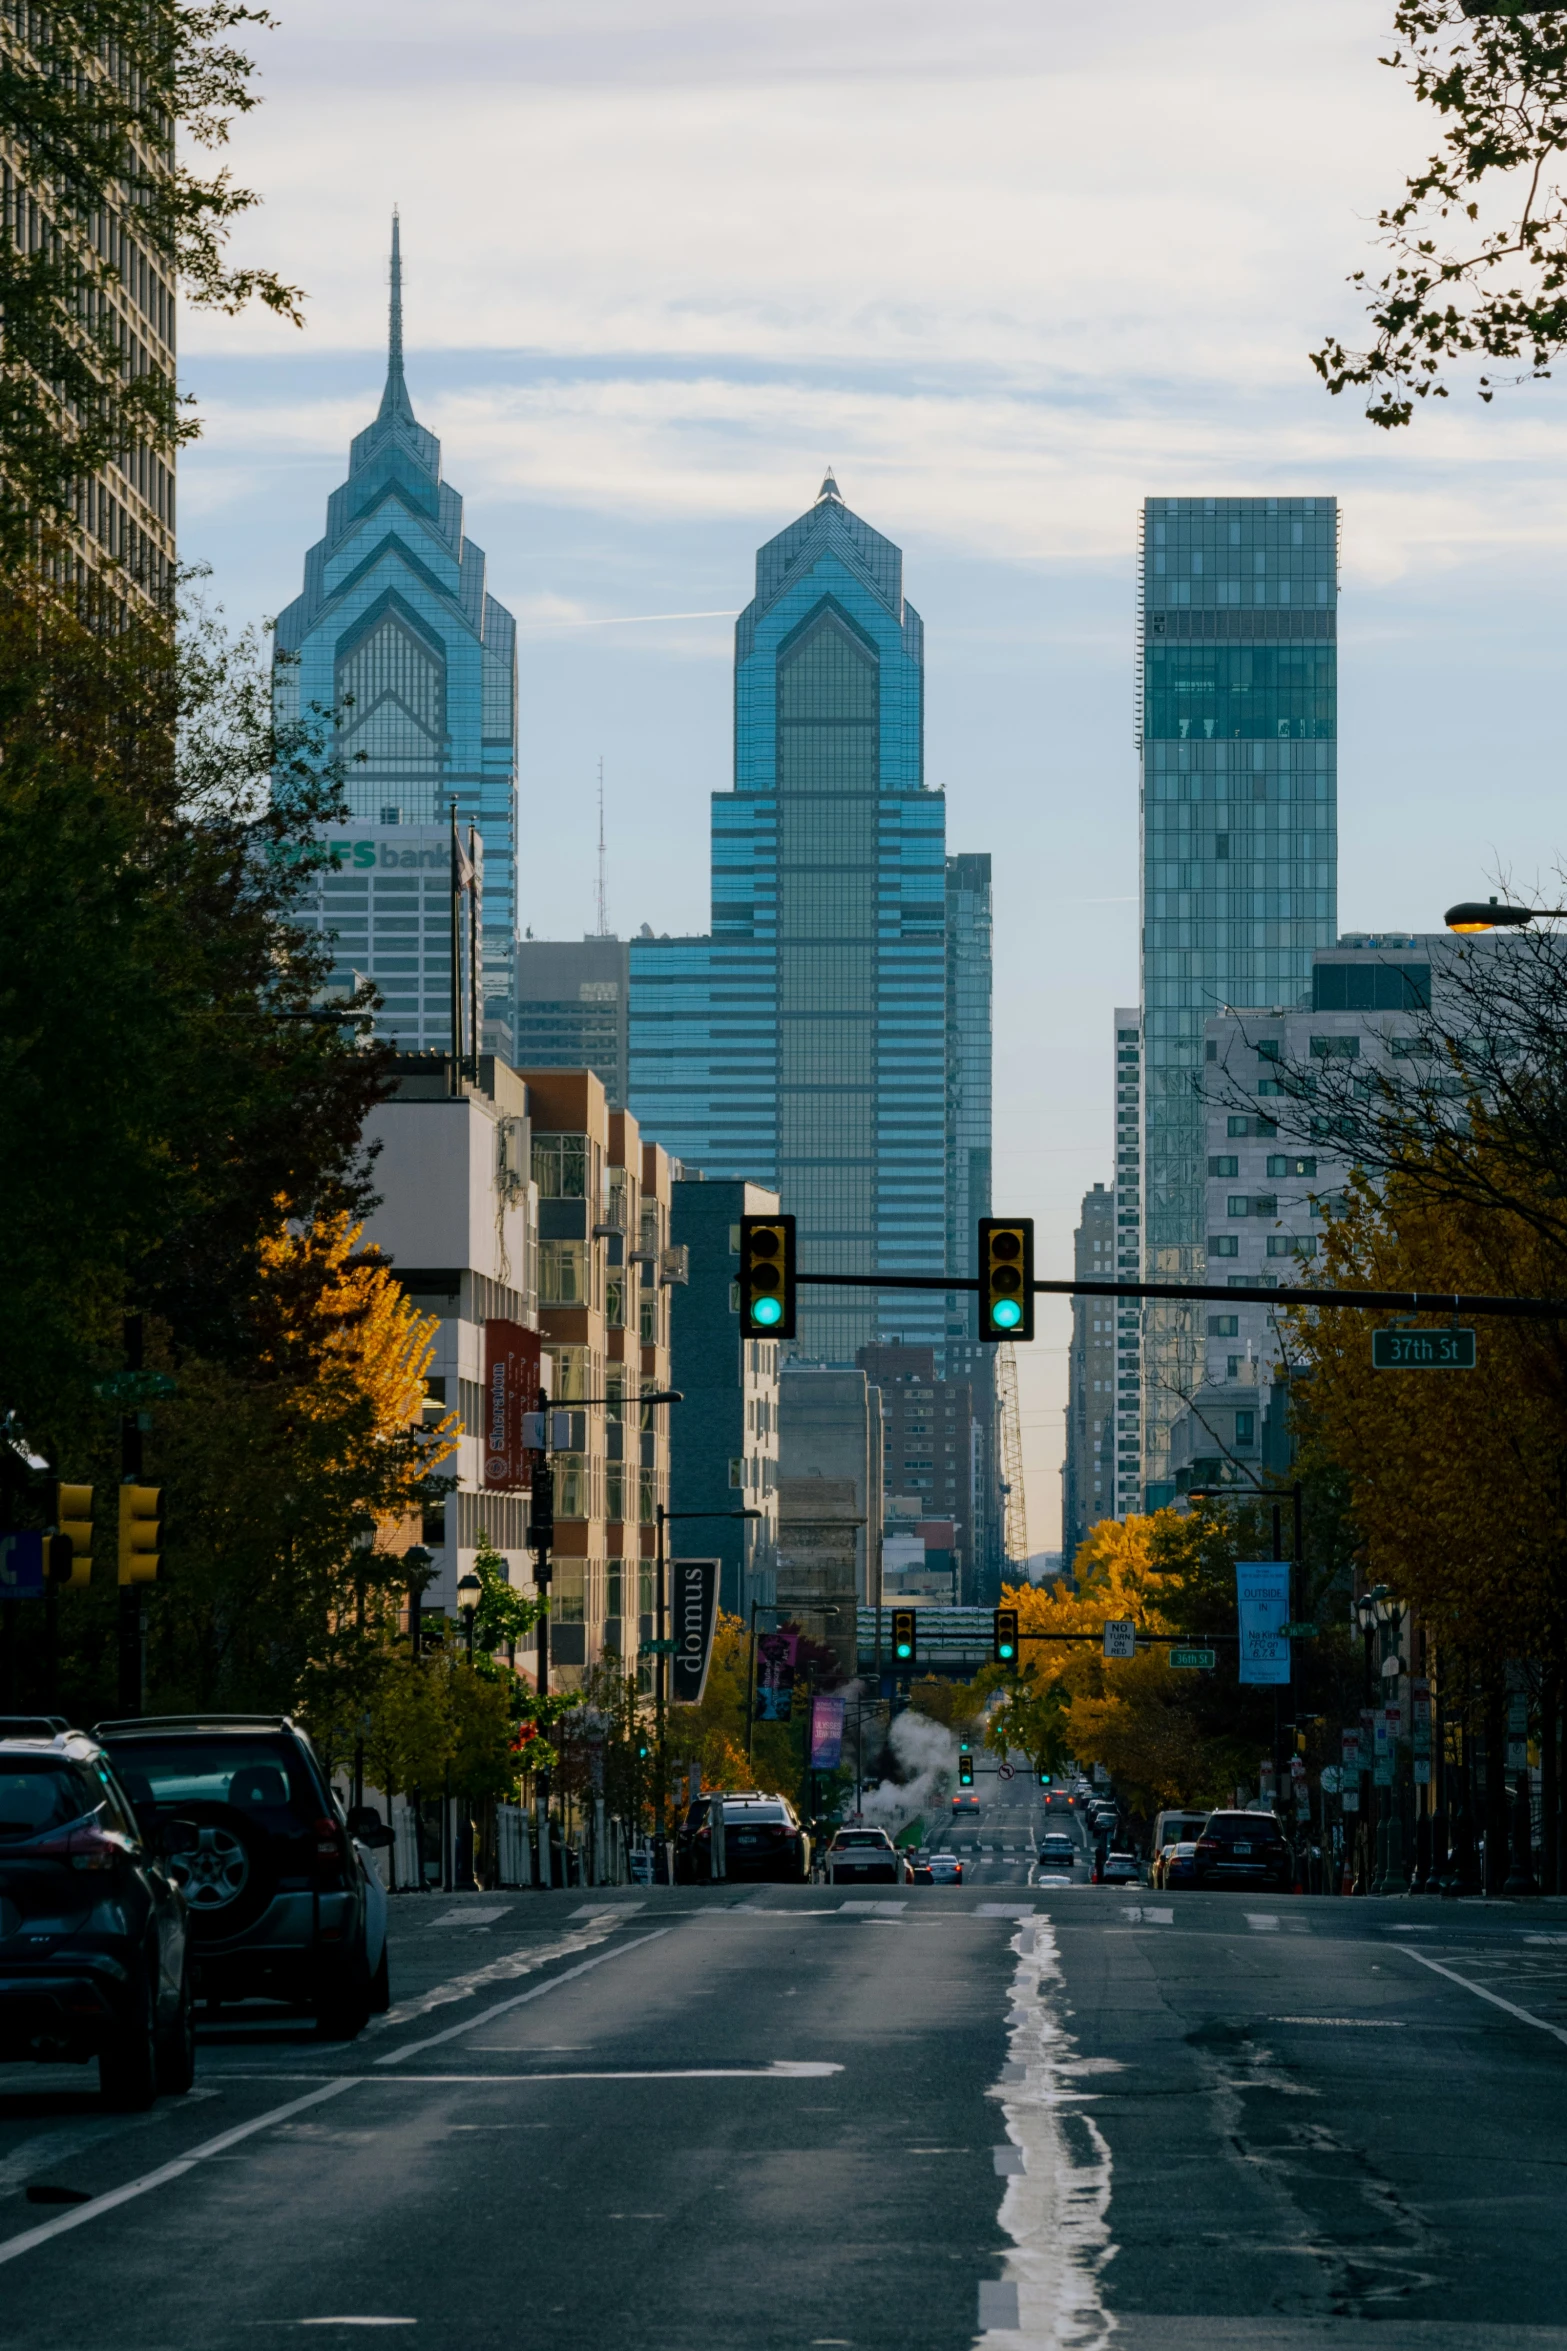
1006,1314
904,1649
1006,1650
767,1310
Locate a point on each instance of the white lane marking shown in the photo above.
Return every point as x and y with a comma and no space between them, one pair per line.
1149,1917
527,1959
1262,1922
53,2150
608,1910
476,1917
358,2322
1524,2015
782,2069
1004,1910
80,2213
1055,2206
472,2023
1527,1938
1008,2162
1374,2024
877,1909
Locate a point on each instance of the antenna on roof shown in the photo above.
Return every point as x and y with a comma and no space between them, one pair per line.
603,894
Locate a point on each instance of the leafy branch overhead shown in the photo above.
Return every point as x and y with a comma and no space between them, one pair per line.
1477,244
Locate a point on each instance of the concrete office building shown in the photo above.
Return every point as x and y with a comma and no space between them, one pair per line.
1088,1474
1237,745
933,1457
397,635
725,1435
382,896
571,1008
458,1219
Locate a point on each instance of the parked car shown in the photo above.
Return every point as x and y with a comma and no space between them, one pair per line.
95,1946
1177,1864
1244,1849
1057,1850
763,1838
864,1857
946,1870
272,1872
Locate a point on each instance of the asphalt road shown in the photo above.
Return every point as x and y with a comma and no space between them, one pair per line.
793,2117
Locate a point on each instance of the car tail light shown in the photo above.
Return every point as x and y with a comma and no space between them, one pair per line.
331,1848
1207,1844
91,1847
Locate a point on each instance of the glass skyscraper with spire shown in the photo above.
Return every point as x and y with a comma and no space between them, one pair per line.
396,632
1238,751
807,1042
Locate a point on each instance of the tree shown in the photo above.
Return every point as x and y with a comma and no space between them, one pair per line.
102,103
1478,240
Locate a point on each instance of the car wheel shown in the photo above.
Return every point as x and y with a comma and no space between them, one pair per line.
177,2046
220,1862
128,2066
381,1986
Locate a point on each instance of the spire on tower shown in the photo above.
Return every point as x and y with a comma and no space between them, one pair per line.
829,489
395,400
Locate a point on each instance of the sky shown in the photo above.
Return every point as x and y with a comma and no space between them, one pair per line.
1008,269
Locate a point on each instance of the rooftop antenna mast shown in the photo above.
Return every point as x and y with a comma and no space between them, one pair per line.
603,893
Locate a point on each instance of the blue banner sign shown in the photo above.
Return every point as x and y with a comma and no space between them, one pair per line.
1262,1593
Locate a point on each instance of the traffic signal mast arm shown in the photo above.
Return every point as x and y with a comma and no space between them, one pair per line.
1375,1301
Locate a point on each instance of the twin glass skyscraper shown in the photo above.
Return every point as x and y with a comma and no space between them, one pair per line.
1237,741
814,1041
397,634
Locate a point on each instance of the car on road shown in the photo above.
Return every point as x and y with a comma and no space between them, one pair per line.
276,1879
95,1945
1058,1851
1176,1865
965,1801
763,1838
1118,1869
865,1857
1244,1849
945,1870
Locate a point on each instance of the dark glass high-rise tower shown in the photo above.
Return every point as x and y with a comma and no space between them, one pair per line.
1237,741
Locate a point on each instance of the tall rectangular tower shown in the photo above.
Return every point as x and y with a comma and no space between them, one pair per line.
804,1045
1237,744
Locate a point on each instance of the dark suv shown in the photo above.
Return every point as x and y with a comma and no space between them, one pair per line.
278,1893
94,1944
763,1838
1243,1849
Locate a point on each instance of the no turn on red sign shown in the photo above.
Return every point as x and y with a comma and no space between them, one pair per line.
1121,1636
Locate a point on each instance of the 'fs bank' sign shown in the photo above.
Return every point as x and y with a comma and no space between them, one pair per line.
430,854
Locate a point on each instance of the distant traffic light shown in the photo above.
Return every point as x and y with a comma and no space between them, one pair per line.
767,1307
72,1564
1006,1277
903,1643
1044,1779
965,1769
1003,1639
141,1528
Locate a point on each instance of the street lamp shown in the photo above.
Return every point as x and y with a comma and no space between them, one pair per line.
469,1593
1492,915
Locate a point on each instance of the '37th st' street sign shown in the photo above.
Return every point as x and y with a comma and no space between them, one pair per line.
1423,1350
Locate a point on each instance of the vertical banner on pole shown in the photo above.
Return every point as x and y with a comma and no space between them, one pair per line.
1262,1596
826,1733
694,1614
775,1663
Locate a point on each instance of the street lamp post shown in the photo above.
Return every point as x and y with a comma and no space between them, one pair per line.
1492,914
469,1593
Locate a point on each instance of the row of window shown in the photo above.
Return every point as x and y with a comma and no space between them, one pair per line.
1279,1245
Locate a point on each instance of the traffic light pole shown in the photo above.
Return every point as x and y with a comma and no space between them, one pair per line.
132,1620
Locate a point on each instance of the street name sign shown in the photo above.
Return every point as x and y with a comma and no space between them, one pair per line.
1423,1350
1193,1657
1299,1632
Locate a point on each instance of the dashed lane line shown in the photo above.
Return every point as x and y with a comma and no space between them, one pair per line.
518,1999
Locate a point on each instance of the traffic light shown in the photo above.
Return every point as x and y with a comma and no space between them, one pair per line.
965,1768
73,1519
1003,1640
141,1514
767,1277
1044,1779
1006,1277
903,1636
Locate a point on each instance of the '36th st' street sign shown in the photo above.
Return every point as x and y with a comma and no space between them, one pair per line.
1423,1350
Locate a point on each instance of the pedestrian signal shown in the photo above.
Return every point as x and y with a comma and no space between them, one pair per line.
965,1770
141,1530
1006,1277
903,1635
1003,1640
73,1519
767,1277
